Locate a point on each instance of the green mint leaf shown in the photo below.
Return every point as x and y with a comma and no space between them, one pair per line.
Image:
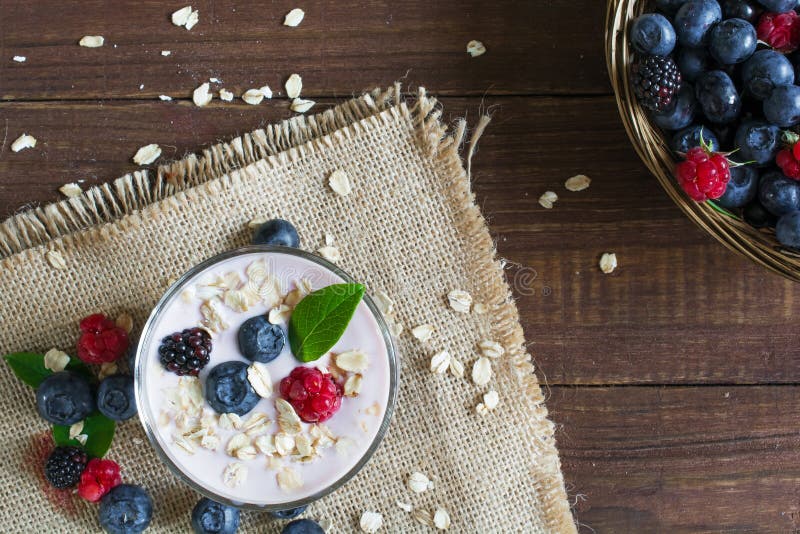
99,430
320,319
29,367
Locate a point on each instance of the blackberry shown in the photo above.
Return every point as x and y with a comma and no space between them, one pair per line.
655,80
64,466
185,352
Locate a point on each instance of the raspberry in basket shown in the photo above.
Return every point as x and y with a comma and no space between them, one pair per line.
101,339
780,30
704,174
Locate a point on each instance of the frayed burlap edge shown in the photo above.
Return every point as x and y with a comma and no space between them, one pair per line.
68,223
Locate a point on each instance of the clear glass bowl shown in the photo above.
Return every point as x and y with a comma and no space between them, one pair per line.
149,419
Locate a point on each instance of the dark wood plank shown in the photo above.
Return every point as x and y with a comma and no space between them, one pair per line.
340,47
680,309
681,459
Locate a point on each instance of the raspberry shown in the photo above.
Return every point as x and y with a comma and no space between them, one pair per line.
101,340
788,160
705,174
64,466
98,478
655,80
185,352
315,396
780,30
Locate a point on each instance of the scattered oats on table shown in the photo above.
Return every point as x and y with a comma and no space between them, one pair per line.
92,41
22,142
165,53
225,95
482,371
423,332
186,17
547,199
460,300
165,98
20,59
476,48
608,262
339,181
71,190
419,483
371,522
253,96
300,105
147,154
578,182
441,519
491,349
266,91
440,362
293,85
294,17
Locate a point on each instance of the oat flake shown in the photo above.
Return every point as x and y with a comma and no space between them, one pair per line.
280,314
383,302
294,17
460,300
20,59
440,362
423,517
91,41
107,369
423,332
82,438
370,522
165,53
579,182
71,190
147,154
482,371
404,506
354,361
352,386
456,368
476,48
288,419
330,253
547,199
266,91
56,260
165,98
608,262
491,349
234,475
339,181
56,360
491,399
22,142
225,95
201,96
259,378
441,519
293,85
289,479
75,429
419,483
300,105
125,321
253,96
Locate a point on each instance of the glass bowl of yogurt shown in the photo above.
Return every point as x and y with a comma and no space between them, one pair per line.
266,458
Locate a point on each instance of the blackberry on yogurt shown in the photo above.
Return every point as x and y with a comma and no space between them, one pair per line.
185,352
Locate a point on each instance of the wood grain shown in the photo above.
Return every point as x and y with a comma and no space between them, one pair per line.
340,48
679,310
681,459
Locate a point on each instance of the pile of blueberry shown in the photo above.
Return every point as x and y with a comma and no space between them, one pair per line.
720,77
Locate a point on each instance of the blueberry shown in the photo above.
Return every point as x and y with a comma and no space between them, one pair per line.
788,229
302,526
288,514
126,509
692,62
210,517
259,340
690,138
758,141
669,6
680,112
778,6
757,216
115,397
276,232
694,20
779,194
717,97
228,390
64,398
782,107
732,41
742,187
741,9
764,71
652,34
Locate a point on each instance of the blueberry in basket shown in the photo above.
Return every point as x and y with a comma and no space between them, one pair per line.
724,93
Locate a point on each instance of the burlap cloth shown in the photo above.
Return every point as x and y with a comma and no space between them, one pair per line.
410,228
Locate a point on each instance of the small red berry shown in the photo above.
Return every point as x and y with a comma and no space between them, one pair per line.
788,161
314,395
101,340
704,174
780,30
98,478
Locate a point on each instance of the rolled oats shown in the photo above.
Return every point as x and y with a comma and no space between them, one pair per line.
460,300
253,96
147,154
475,48
294,17
608,262
330,253
22,142
352,386
491,399
229,421
303,444
107,369
184,444
75,429
288,420
354,361
339,181
579,182
370,522
225,95
289,479
482,371
300,105
71,190
247,452
210,441
20,59
423,332
280,314
56,260
491,349
56,360
294,84
419,483
237,442
547,199
259,378
201,96
423,517
265,444
284,443
91,41
125,321
404,506
234,474
82,438
384,303
456,368
441,519
440,362
343,445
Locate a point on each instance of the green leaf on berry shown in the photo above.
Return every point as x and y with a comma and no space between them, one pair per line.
29,367
99,431
320,319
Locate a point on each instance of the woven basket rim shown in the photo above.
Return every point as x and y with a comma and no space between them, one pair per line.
760,246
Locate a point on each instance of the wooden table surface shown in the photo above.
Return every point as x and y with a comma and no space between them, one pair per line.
673,381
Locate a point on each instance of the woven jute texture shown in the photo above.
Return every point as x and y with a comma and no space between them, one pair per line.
410,229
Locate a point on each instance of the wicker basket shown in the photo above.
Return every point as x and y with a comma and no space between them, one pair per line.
758,245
